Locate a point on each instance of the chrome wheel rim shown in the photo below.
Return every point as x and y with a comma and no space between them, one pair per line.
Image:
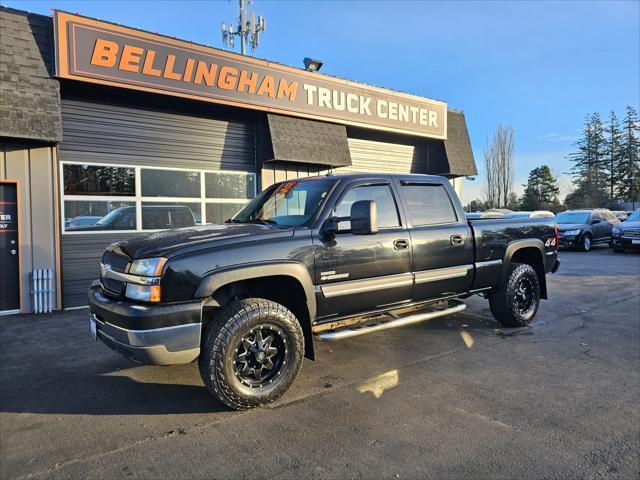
261,356
586,243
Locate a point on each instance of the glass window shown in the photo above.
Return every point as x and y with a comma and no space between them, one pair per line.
91,216
169,183
229,185
428,205
288,203
163,215
381,194
221,212
99,180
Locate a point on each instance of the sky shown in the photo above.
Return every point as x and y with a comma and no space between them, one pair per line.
539,66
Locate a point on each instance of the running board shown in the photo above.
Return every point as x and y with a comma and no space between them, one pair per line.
362,329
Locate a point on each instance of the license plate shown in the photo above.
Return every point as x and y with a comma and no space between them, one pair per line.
635,242
92,328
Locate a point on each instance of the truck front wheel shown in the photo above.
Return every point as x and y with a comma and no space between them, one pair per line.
515,301
252,353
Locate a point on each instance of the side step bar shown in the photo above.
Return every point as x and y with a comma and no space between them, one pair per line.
362,329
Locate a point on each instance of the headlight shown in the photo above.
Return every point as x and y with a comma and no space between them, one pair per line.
572,233
615,231
148,267
145,293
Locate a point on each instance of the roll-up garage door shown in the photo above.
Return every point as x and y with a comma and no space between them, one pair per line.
116,135
375,156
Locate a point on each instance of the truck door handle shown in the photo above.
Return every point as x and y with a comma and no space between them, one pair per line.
400,244
457,240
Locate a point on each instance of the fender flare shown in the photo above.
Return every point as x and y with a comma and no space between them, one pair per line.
217,279
516,245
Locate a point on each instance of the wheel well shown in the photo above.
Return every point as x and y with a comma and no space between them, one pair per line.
533,257
282,289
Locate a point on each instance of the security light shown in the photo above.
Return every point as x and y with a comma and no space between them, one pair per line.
312,65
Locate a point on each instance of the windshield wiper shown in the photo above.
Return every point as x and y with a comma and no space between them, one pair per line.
263,221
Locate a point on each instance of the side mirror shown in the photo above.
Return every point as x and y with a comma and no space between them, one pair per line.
364,217
595,221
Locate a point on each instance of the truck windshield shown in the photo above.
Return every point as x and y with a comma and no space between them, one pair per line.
287,204
572,217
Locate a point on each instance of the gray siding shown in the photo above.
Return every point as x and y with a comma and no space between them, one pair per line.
375,156
100,133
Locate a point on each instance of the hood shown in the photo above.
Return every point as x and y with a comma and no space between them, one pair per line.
628,224
173,242
563,227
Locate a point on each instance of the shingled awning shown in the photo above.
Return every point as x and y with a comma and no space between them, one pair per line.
457,147
307,141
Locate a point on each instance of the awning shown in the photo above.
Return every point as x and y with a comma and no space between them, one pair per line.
457,147
307,141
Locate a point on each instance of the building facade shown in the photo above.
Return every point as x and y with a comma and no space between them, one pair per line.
109,131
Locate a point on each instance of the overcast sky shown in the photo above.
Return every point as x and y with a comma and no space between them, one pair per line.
539,66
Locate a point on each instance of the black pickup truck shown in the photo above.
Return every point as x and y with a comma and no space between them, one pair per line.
322,258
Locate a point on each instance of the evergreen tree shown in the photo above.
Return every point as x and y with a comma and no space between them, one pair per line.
541,191
614,154
628,182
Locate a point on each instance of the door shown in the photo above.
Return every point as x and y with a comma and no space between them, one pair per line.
441,241
9,247
358,273
599,229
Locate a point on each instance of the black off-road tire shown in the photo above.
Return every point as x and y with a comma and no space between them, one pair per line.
505,300
223,338
586,242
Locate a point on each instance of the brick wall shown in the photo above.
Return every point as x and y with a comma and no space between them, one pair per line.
29,95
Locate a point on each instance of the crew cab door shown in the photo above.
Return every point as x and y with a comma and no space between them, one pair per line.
359,273
441,240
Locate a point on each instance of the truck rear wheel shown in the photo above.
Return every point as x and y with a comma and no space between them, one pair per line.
515,301
252,353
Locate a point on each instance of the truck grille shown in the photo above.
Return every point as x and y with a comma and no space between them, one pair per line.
118,262
114,286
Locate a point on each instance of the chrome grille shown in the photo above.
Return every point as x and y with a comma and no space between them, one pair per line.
117,261
631,233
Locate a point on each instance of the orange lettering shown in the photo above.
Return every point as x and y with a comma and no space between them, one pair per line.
188,70
267,86
290,90
147,68
168,68
104,53
206,74
245,81
227,78
130,60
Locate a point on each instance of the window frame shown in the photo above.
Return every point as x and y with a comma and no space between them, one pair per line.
138,199
456,214
373,183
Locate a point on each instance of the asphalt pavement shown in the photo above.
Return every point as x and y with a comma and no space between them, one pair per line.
458,397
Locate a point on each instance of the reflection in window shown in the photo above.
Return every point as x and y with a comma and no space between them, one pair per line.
90,216
98,180
381,194
170,183
229,185
221,212
429,205
157,216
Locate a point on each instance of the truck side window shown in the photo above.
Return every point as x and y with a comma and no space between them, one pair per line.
381,194
429,205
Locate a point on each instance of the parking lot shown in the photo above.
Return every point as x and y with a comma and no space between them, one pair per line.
454,397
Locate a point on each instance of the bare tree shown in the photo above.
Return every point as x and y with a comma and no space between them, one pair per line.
498,160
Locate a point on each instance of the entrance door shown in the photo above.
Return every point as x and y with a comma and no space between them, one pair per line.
9,252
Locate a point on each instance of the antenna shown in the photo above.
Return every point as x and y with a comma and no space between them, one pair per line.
246,29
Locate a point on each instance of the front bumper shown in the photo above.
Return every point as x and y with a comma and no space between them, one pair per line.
626,243
154,334
570,241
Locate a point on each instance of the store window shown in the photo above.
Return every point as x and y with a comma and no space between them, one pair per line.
101,197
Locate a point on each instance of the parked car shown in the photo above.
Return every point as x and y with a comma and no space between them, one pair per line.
328,257
585,228
485,214
620,215
626,235
81,221
154,217
534,214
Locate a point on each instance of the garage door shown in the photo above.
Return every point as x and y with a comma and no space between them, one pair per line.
374,156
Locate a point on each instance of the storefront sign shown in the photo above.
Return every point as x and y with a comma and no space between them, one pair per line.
100,52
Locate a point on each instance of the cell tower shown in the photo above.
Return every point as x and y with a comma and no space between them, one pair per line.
246,29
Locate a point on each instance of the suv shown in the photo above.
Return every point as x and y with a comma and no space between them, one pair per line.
584,228
324,258
154,217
